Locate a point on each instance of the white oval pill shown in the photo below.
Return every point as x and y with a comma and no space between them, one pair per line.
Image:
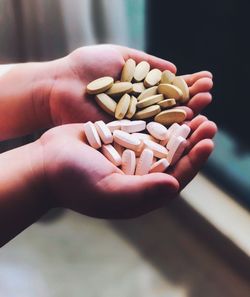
111,154
159,166
141,70
104,132
134,126
142,136
92,135
126,140
128,162
172,129
145,162
157,130
182,130
158,150
176,149
114,125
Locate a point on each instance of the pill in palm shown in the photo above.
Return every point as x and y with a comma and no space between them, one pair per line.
111,154
159,166
92,135
104,132
176,150
145,162
133,126
157,130
126,140
128,162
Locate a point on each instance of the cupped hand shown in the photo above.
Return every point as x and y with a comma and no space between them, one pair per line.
68,100
82,179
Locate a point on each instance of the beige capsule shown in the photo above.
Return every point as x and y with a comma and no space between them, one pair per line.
181,84
147,93
141,71
170,91
138,88
150,101
167,103
128,70
167,77
100,85
152,78
106,103
120,88
168,117
147,112
132,107
122,107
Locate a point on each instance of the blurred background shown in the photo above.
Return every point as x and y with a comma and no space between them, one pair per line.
199,245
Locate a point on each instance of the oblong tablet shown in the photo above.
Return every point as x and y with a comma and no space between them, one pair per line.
111,154
170,116
137,88
128,162
145,162
122,107
114,125
128,70
152,78
167,103
104,132
142,136
100,85
120,88
141,70
106,103
170,91
132,107
182,130
149,101
133,126
158,150
182,85
126,140
167,77
147,93
159,166
177,148
92,135
157,130
147,112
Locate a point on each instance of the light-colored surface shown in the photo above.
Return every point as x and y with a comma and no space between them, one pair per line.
111,154
181,84
149,101
171,116
145,162
106,103
170,91
147,93
128,70
133,126
104,132
120,88
122,107
132,107
141,71
157,130
126,140
220,210
92,135
147,112
152,78
167,77
5,68
128,162
100,85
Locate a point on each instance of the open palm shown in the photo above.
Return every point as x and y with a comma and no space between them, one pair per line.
69,102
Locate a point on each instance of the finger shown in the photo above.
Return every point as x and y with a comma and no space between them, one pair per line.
139,56
131,196
196,122
189,112
205,130
199,101
192,78
189,165
204,84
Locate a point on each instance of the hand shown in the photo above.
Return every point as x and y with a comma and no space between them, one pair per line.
81,178
69,102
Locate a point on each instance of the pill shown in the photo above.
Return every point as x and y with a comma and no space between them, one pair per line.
139,150
114,125
128,162
182,130
167,103
120,88
147,93
157,130
152,78
177,149
167,77
158,150
133,126
92,135
100,85
145,162
111,154
147,112
170,116
132,107
118,148
128,71
142,136
126,140
159,166
104,132
149,101
141,71
172,129
138,88
170,91
122,107
106,103
182,85
164,142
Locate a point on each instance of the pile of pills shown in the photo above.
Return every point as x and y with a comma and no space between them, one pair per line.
137,147
142,94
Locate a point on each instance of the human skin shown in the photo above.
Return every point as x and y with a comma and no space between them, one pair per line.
42,95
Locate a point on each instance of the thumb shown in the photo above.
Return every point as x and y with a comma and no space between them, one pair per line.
133,195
